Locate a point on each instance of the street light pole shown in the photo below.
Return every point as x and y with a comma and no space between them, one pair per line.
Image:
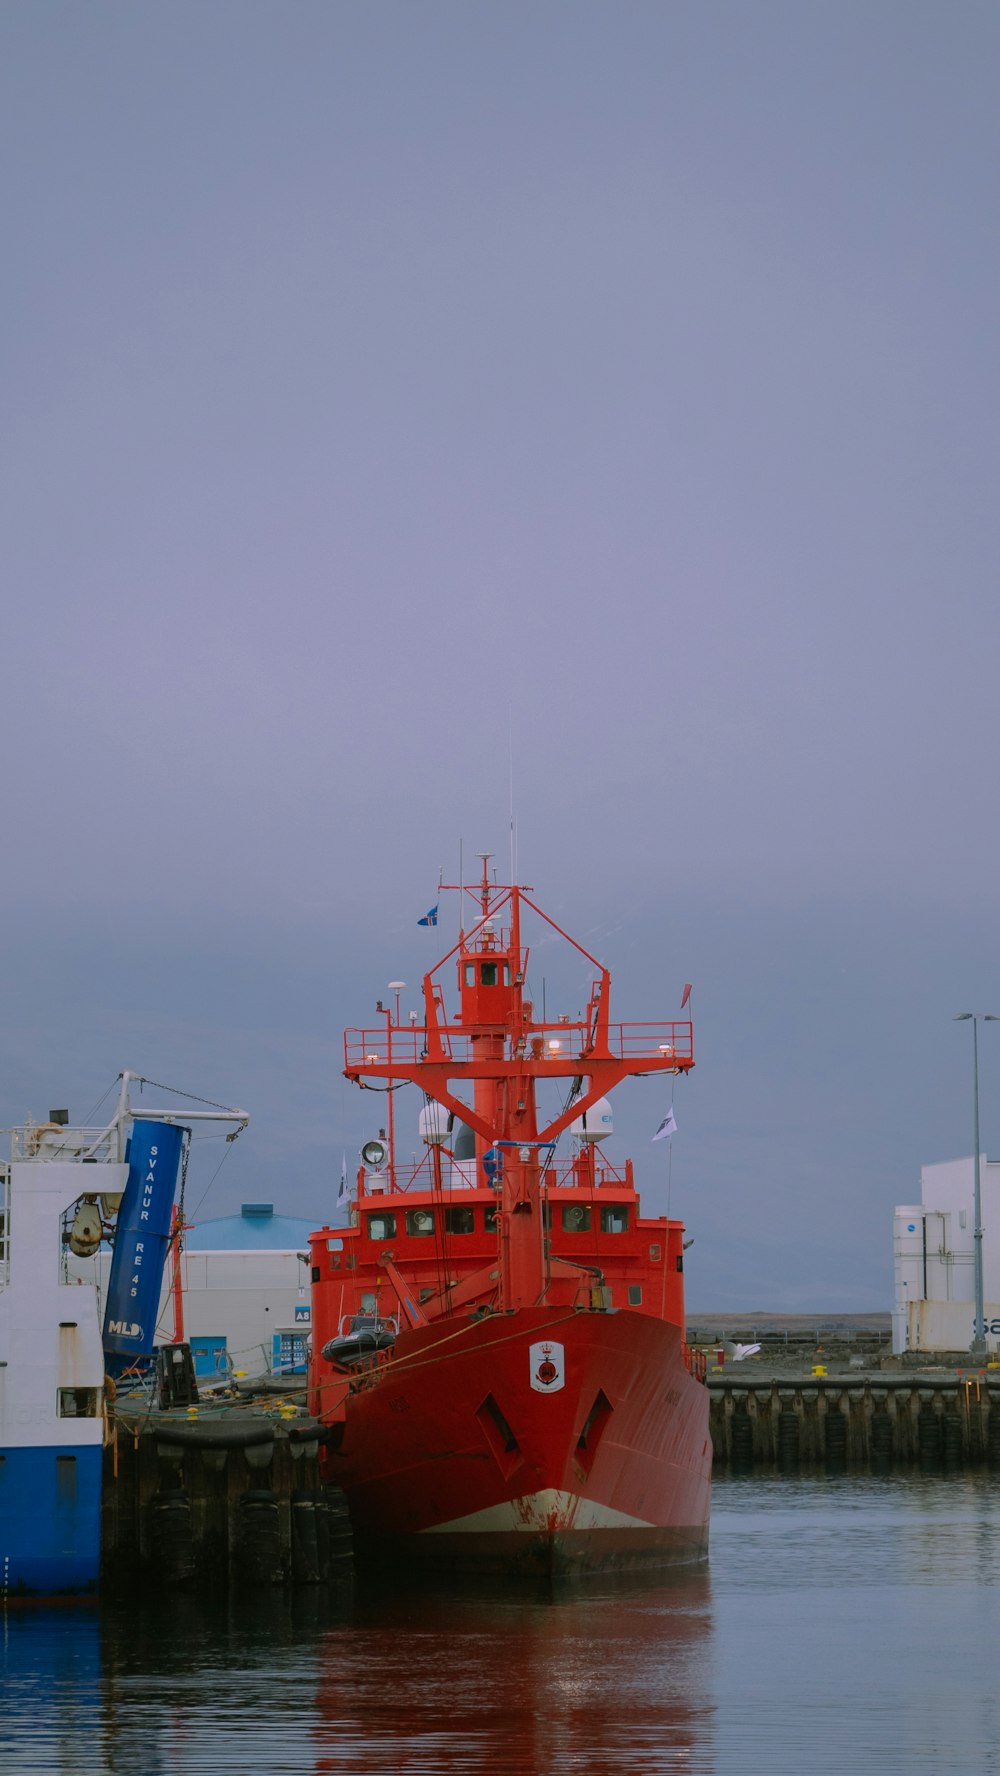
979,1332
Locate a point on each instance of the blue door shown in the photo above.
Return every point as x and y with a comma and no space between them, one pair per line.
288,1354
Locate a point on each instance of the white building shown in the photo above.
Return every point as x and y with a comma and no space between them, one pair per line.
933,1259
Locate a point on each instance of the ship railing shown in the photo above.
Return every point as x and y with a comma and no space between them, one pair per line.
696,1362
379,1323
408,1045
631,1042
567,1176
415,1174
51,1140
461,1175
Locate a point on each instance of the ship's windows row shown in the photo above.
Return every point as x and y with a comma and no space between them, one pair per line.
419,1223
460,1218
490,974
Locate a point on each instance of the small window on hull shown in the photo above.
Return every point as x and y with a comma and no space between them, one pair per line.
79,1402
635,1294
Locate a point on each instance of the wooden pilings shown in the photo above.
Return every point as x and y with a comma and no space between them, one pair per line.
874,1424
236,1506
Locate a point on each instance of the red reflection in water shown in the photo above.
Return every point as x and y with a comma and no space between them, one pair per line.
596,1681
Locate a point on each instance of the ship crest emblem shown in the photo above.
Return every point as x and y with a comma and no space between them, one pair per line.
547,1366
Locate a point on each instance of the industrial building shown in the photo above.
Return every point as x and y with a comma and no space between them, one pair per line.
934,1264
246,1292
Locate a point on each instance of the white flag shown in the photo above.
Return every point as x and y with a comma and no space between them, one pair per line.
667,1127
342,1194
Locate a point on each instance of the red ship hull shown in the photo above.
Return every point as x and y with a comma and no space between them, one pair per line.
545,1440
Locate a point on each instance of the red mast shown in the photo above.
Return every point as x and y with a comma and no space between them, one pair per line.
501,1049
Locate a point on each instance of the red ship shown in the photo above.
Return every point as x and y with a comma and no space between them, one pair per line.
498,1338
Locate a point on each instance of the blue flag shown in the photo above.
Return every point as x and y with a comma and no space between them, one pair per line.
430,918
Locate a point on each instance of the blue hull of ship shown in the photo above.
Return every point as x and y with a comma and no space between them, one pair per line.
50,1521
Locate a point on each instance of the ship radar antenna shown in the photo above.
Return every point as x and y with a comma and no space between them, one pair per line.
485,884
510,773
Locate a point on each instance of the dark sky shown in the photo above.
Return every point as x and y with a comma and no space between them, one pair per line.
393,392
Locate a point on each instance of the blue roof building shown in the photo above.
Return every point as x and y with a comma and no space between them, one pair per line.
255,1229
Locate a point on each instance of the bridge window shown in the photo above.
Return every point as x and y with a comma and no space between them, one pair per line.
381,1225
490,1218
576,1218
460,1220
487,974
420,1222
470,974
614,1218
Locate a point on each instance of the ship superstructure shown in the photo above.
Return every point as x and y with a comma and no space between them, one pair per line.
498,1334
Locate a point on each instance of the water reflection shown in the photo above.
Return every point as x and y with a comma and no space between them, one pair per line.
50,1666
847,1623
602,1679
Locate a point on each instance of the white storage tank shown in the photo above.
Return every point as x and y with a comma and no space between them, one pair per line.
908,1267
595,1123
435,1125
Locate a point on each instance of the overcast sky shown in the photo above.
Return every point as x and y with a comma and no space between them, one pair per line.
391,391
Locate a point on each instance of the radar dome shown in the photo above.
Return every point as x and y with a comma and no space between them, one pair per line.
435,1125
595,1123
465,1142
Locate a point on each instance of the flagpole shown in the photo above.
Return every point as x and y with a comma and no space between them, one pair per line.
670,1155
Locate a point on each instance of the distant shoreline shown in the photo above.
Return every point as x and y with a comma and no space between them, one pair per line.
766,1321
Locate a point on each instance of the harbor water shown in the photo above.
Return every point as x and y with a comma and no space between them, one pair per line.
846,1623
